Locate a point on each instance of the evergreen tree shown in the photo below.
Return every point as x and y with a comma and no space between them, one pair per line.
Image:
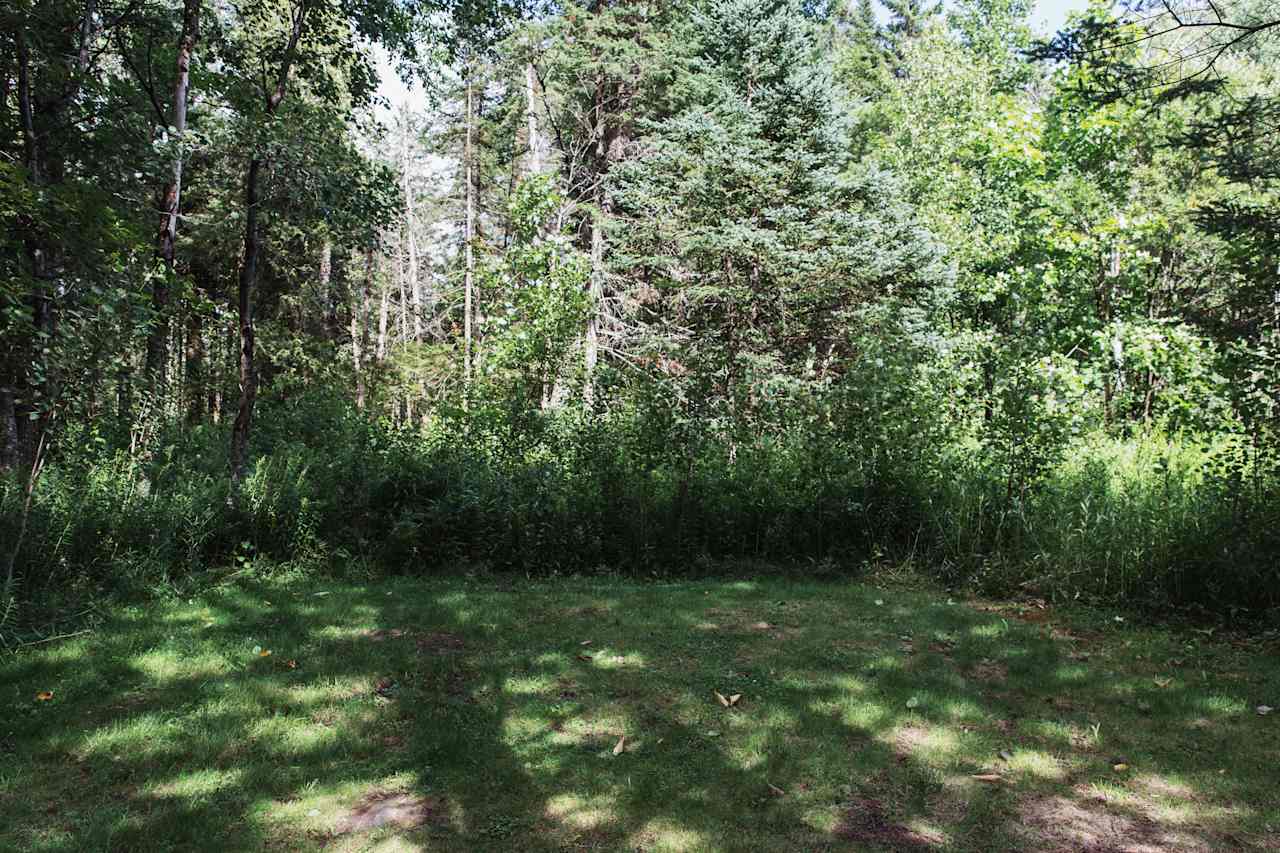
747,240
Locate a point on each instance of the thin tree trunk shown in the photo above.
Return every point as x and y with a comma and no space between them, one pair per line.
249,266
248,373
383,311
171,196
411,241
326,290
470,239
358,331
195,367
531,119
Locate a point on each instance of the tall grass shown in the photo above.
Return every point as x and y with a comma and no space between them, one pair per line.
1153,521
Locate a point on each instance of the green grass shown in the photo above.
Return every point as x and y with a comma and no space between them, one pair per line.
485,715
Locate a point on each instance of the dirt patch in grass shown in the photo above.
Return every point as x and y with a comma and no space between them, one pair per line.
440,643
864,822
989,672
1058,824
390,808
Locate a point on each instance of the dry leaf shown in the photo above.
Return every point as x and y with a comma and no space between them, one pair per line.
988,777
720,696
44,695
265,653
733,700
1163,682
621,745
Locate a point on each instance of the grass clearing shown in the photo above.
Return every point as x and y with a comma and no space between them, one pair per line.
582,714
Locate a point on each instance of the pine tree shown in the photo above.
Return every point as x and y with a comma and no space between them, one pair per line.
749,239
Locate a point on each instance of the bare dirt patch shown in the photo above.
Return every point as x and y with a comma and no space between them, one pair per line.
1058,824
390,808
864,822
989,671
440,643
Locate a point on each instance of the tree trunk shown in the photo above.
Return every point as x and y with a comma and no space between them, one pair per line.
248,373
383,311
358,332
171,197
411,241
195,367
531,120
470,239
249,265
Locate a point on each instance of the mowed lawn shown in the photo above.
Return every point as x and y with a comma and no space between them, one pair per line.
583,715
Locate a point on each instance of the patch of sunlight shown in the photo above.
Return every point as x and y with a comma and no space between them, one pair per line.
64,652
742,586
1072,672
582,812
665,834
848,683
198,784
885,663
930,743
991,630
1222,705
865,715
516,728
138,737
1042,765
605,660
962,710
1053,730
165,666
532,685
552,659
930,834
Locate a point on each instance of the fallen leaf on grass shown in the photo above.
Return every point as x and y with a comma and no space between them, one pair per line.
265,653
1120,768
733,700
720,696
621,746
585,643
1263,710
44,695
1162,682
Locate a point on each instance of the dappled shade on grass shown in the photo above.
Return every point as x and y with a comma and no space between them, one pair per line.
463,715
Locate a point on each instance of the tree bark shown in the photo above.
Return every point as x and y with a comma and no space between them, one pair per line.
240,431
531,119
411,241
470,239
358,330
171,196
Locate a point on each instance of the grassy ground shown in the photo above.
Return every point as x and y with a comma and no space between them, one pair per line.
466,715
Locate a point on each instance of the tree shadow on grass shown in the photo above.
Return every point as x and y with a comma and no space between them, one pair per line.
461,717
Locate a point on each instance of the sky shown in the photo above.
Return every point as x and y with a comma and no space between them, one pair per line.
1053,13
1048,17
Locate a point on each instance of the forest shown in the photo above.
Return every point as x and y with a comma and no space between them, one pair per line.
551,321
